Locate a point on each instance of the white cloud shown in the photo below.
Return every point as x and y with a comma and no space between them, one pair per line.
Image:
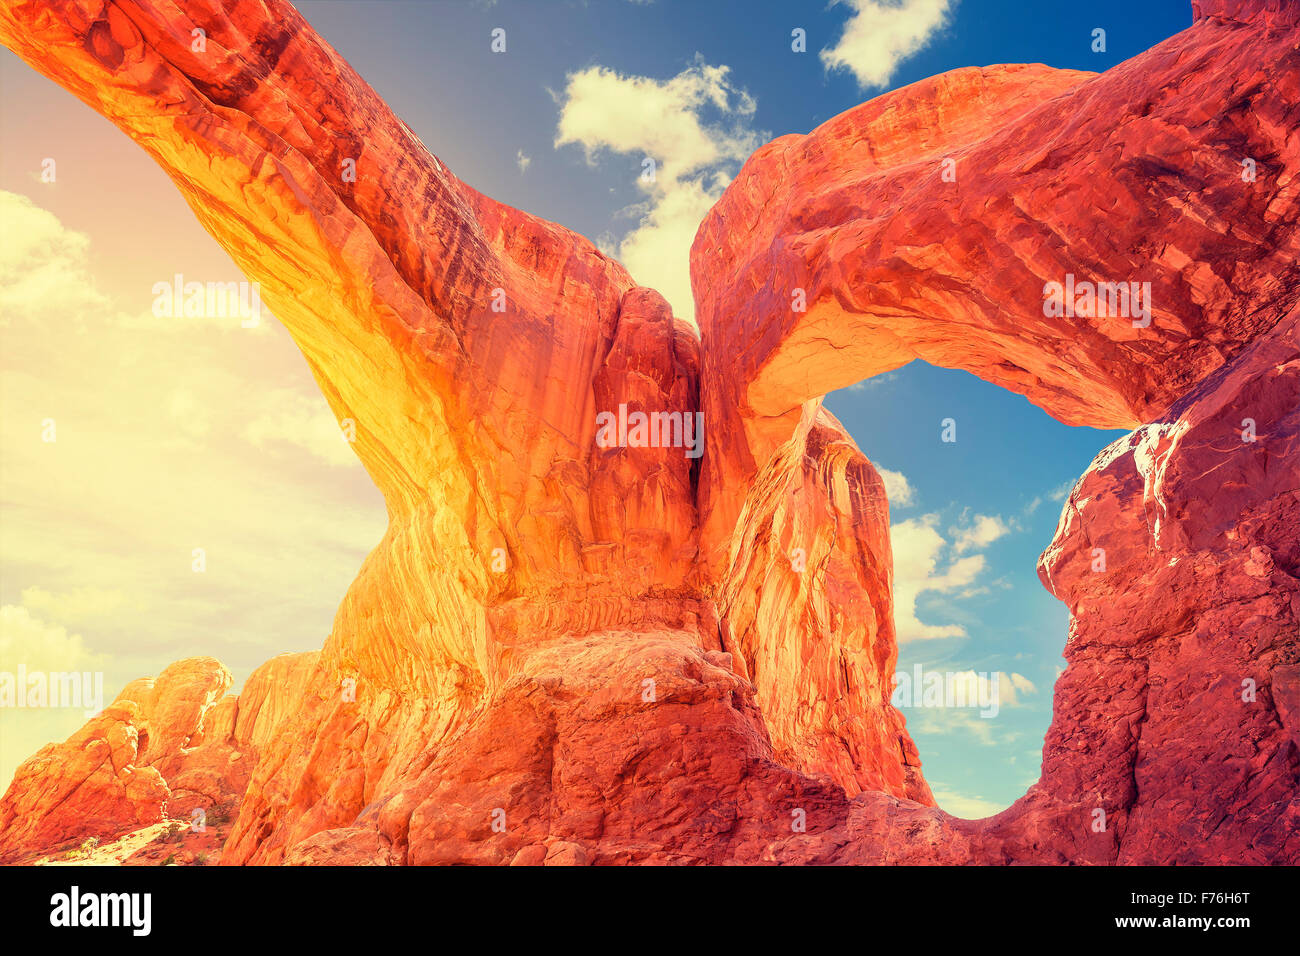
1062,492
880,34
77,605
695,130
900,491
295,420
522,161
968,808
26,639
917,547
604,109
919,550
44,270
42,265
166,442
978,686
982,532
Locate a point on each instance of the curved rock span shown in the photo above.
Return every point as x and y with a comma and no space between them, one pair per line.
572,650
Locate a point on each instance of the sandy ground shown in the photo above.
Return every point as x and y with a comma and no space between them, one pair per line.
153,845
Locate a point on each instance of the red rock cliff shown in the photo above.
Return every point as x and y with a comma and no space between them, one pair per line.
164,747
568,653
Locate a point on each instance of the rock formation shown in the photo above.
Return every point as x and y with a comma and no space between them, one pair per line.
570,652
164,748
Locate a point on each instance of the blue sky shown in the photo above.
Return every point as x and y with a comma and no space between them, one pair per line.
990,499
558,125
432,63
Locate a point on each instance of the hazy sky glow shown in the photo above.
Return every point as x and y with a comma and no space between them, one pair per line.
175,434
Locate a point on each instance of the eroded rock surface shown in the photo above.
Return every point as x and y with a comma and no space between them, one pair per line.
807,604
165,747
564,653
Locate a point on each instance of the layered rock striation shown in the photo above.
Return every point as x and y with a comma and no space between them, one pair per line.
568,650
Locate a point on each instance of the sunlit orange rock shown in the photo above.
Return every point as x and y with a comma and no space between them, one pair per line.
87,786
929,223
109,776
167,746
567,652
807,605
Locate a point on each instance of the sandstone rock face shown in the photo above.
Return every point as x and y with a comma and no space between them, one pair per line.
164,747
1187,640
576,760
489,334
568,652
808,605
87,786
1135,175
109,776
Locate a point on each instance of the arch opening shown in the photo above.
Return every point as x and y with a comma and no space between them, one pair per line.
976,476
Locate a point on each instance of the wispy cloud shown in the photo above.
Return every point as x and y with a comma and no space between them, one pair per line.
127,446
880,34
968,808
925,562
688,134
292,420
867,384
1061,492
78,606
900,490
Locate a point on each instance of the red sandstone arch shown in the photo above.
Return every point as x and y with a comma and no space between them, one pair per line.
1135,174
479,432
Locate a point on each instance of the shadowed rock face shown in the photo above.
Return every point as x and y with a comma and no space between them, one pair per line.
563,652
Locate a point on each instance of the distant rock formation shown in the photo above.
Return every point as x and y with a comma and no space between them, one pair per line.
565,651
164,748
